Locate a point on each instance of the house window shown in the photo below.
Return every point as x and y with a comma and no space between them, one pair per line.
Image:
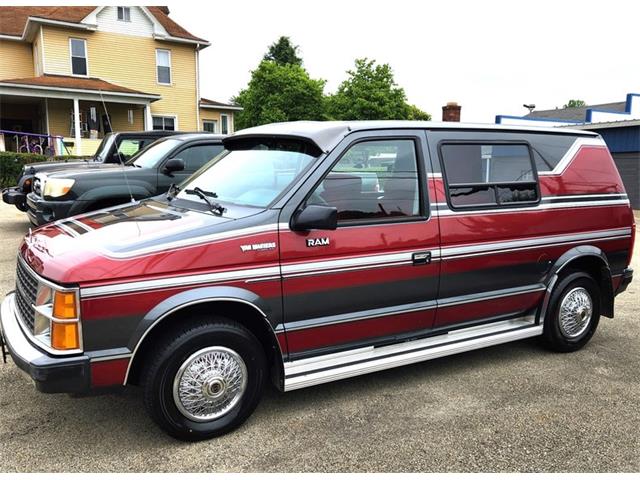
163,66
164,123
210,126
78,48
124,14
485,175
130,116
224,122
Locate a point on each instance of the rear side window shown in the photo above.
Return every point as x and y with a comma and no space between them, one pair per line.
489,175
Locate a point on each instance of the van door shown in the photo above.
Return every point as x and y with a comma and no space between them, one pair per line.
488,197
374,279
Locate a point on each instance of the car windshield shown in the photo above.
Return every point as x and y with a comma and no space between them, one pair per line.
104,147
151,156
253,176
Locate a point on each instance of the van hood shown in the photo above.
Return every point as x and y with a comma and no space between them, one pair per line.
141,239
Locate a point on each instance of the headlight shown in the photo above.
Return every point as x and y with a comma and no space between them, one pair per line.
57,187
57,320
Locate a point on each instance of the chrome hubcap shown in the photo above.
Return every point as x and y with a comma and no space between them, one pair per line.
209,383
575,313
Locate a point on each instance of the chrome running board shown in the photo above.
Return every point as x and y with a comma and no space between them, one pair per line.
327,368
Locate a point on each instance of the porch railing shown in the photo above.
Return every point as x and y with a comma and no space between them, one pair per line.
26,142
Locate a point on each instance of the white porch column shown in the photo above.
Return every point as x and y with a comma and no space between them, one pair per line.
76,125
148,121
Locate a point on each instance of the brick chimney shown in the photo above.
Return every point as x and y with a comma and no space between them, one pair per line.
451,112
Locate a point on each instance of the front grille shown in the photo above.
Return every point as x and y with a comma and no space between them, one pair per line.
26,291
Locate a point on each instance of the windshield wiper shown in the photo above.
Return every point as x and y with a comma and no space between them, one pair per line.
173,191
204,195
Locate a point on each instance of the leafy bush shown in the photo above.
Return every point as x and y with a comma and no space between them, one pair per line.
11,164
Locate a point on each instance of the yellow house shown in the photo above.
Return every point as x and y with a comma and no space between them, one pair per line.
80,72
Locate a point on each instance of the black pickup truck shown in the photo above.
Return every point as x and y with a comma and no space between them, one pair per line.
151,172
116,147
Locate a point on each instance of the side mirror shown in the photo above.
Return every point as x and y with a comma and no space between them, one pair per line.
315,217
173,165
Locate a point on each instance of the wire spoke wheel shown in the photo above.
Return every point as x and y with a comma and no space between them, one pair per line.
576,310
210,383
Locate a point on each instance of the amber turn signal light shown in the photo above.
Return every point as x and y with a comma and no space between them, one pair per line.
64,305
65,336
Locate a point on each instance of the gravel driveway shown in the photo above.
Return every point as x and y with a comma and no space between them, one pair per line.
513,407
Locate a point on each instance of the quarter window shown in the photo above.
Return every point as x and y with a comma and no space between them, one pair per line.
489,175
373,180
163,66
124,14
78,48
164,123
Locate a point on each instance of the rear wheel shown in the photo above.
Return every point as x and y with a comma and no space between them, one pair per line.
204,379
574,313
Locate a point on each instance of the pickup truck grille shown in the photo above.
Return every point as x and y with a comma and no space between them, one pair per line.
26,291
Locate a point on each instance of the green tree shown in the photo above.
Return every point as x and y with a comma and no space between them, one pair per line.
371,93
574,103
283,52
280,93
416,114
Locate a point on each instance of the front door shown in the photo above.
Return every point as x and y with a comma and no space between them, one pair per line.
375,278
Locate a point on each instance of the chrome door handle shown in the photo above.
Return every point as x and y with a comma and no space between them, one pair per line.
421,258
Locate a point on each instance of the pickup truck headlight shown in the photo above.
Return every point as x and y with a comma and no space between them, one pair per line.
57,319
57,187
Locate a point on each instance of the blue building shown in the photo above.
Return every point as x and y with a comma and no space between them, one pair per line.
617,122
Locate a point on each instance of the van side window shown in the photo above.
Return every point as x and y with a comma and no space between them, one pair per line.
488,175
373,180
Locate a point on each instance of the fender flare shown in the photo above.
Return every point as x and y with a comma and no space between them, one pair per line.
185,299
582,251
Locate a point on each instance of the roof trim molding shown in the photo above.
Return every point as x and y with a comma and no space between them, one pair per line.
29,28
220,107
62,92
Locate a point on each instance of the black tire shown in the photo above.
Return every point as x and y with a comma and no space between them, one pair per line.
177,348
555,337
22,206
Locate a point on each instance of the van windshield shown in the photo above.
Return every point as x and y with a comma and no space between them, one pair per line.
254,176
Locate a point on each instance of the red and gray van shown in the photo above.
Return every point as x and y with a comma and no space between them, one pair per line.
280,260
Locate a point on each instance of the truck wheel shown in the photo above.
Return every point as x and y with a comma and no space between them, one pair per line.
573,314
22,206
205,379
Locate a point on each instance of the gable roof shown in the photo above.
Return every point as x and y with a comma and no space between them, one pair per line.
13,20
576,113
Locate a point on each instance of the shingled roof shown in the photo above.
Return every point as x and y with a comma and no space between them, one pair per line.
14,19
74,83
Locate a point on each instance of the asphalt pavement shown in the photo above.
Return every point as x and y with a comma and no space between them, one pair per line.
514,408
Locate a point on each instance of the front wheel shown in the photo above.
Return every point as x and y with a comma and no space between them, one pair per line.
205,379
574,313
